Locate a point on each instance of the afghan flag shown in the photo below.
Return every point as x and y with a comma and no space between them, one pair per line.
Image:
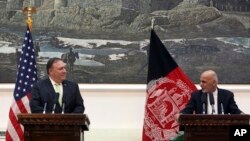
168,91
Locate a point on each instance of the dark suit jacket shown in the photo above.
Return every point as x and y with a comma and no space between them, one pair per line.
224,96
43,92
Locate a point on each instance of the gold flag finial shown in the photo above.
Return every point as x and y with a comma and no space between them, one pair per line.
29,11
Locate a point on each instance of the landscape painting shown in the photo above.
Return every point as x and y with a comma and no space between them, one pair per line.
106,41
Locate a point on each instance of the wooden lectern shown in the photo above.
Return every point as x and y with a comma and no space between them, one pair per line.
54,127
210,127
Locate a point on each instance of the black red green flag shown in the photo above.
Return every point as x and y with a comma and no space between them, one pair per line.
168,91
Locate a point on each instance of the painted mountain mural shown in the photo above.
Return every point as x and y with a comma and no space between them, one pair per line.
109,38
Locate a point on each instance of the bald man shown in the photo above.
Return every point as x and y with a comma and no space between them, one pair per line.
201,101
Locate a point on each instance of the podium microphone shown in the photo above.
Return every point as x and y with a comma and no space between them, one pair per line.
222,108
63,104
55,102
204,101
63,107
44,108
211,99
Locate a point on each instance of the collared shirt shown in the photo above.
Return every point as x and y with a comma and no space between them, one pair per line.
54,86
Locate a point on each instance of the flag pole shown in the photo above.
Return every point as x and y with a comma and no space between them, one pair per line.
152,23
29,11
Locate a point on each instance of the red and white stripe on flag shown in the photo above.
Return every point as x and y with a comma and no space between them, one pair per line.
15,130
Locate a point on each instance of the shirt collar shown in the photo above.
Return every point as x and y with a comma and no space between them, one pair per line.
215,92
53,82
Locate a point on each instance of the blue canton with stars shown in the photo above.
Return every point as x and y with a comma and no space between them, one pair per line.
27,71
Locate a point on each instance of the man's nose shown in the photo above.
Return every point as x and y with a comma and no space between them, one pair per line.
64,70
200,83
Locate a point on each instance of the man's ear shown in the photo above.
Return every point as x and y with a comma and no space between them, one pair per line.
50,70
215,83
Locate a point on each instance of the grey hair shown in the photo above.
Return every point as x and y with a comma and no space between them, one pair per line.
213,74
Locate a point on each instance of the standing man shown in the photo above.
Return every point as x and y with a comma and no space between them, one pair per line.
55,93
201,101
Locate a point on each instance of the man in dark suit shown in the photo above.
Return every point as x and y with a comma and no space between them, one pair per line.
200,101
55,93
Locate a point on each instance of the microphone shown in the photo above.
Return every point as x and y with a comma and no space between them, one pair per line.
55,102
204,101
222,108
211,100
45,105
44,108
63,107
63,103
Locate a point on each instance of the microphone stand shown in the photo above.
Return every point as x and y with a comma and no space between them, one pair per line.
54,107
44,108
204,101
63,107
222,108
204,108
55,101
213,110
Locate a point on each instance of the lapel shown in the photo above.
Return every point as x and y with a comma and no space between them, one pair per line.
206,105
203,97
50,88
65,91
219,101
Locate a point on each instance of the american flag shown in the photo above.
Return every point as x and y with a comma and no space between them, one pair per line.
26,77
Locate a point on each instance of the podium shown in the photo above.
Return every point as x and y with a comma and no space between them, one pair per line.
210,127
54,127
